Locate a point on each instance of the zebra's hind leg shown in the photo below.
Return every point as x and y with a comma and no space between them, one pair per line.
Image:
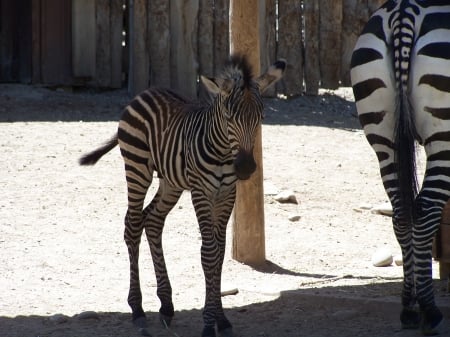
154,216
428,220
138,182
409,316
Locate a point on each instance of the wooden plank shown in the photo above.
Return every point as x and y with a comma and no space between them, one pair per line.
183,35
290,45
83,38
56,42
312,69
221,34
159,42
103,43
267,38
36,41
116,28
248,216
138,79
330,40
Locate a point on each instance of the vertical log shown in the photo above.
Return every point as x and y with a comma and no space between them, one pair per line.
290,45
312,66
205,42
330,42
139,65
183,36
221,34
116,24
248,215
36,75
103,43
267,38
159,42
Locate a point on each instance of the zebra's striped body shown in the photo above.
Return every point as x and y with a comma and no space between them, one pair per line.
401,81
204,149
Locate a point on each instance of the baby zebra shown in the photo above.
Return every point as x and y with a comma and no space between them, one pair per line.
192,146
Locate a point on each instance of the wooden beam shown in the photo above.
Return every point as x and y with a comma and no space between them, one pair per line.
248,215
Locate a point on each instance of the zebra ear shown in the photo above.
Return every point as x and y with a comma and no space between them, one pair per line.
217,85
272,75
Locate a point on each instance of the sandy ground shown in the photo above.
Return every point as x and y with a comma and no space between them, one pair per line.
64,265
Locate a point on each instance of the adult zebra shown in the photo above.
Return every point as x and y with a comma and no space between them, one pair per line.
400,72
201,148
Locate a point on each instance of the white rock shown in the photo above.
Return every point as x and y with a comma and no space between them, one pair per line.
286,197
382,257
270,188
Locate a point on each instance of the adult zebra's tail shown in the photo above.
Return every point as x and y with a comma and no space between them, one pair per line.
405,130
93,157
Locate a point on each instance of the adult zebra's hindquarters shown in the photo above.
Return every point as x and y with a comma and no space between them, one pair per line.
200,148
401,81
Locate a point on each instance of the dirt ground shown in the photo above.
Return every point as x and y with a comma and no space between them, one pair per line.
64,265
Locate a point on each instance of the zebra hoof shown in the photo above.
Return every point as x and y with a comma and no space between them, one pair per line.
209,331
431,321
165,320
410,318
140,322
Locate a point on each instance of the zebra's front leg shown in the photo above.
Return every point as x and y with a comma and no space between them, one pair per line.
211,257
132,236
154,217
223,210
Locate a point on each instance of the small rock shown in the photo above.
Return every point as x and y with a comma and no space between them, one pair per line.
58,318
294,217
286,197
88,315
382,257
270,188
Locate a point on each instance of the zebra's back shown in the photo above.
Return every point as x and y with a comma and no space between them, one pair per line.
150,130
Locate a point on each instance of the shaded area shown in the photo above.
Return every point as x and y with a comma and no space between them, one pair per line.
327,109
313,312
33,103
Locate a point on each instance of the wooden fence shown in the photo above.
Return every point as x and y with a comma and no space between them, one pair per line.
170,42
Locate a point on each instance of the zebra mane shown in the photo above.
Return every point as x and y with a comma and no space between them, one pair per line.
239,66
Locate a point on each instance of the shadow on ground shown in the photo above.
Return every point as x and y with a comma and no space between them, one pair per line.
328,311
28,103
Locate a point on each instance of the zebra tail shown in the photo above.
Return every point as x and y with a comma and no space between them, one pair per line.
405,130
93,157
405,157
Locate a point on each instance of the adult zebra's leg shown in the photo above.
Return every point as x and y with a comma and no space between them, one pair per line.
429,213
154,216
211,259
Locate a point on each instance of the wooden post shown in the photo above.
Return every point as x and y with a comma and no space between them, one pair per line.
248,215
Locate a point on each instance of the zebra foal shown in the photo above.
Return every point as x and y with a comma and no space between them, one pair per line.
400,71
201,148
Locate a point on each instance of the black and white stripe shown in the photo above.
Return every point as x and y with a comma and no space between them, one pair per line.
400,72
201,148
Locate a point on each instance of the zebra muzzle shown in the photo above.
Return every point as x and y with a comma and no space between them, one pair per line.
244,165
